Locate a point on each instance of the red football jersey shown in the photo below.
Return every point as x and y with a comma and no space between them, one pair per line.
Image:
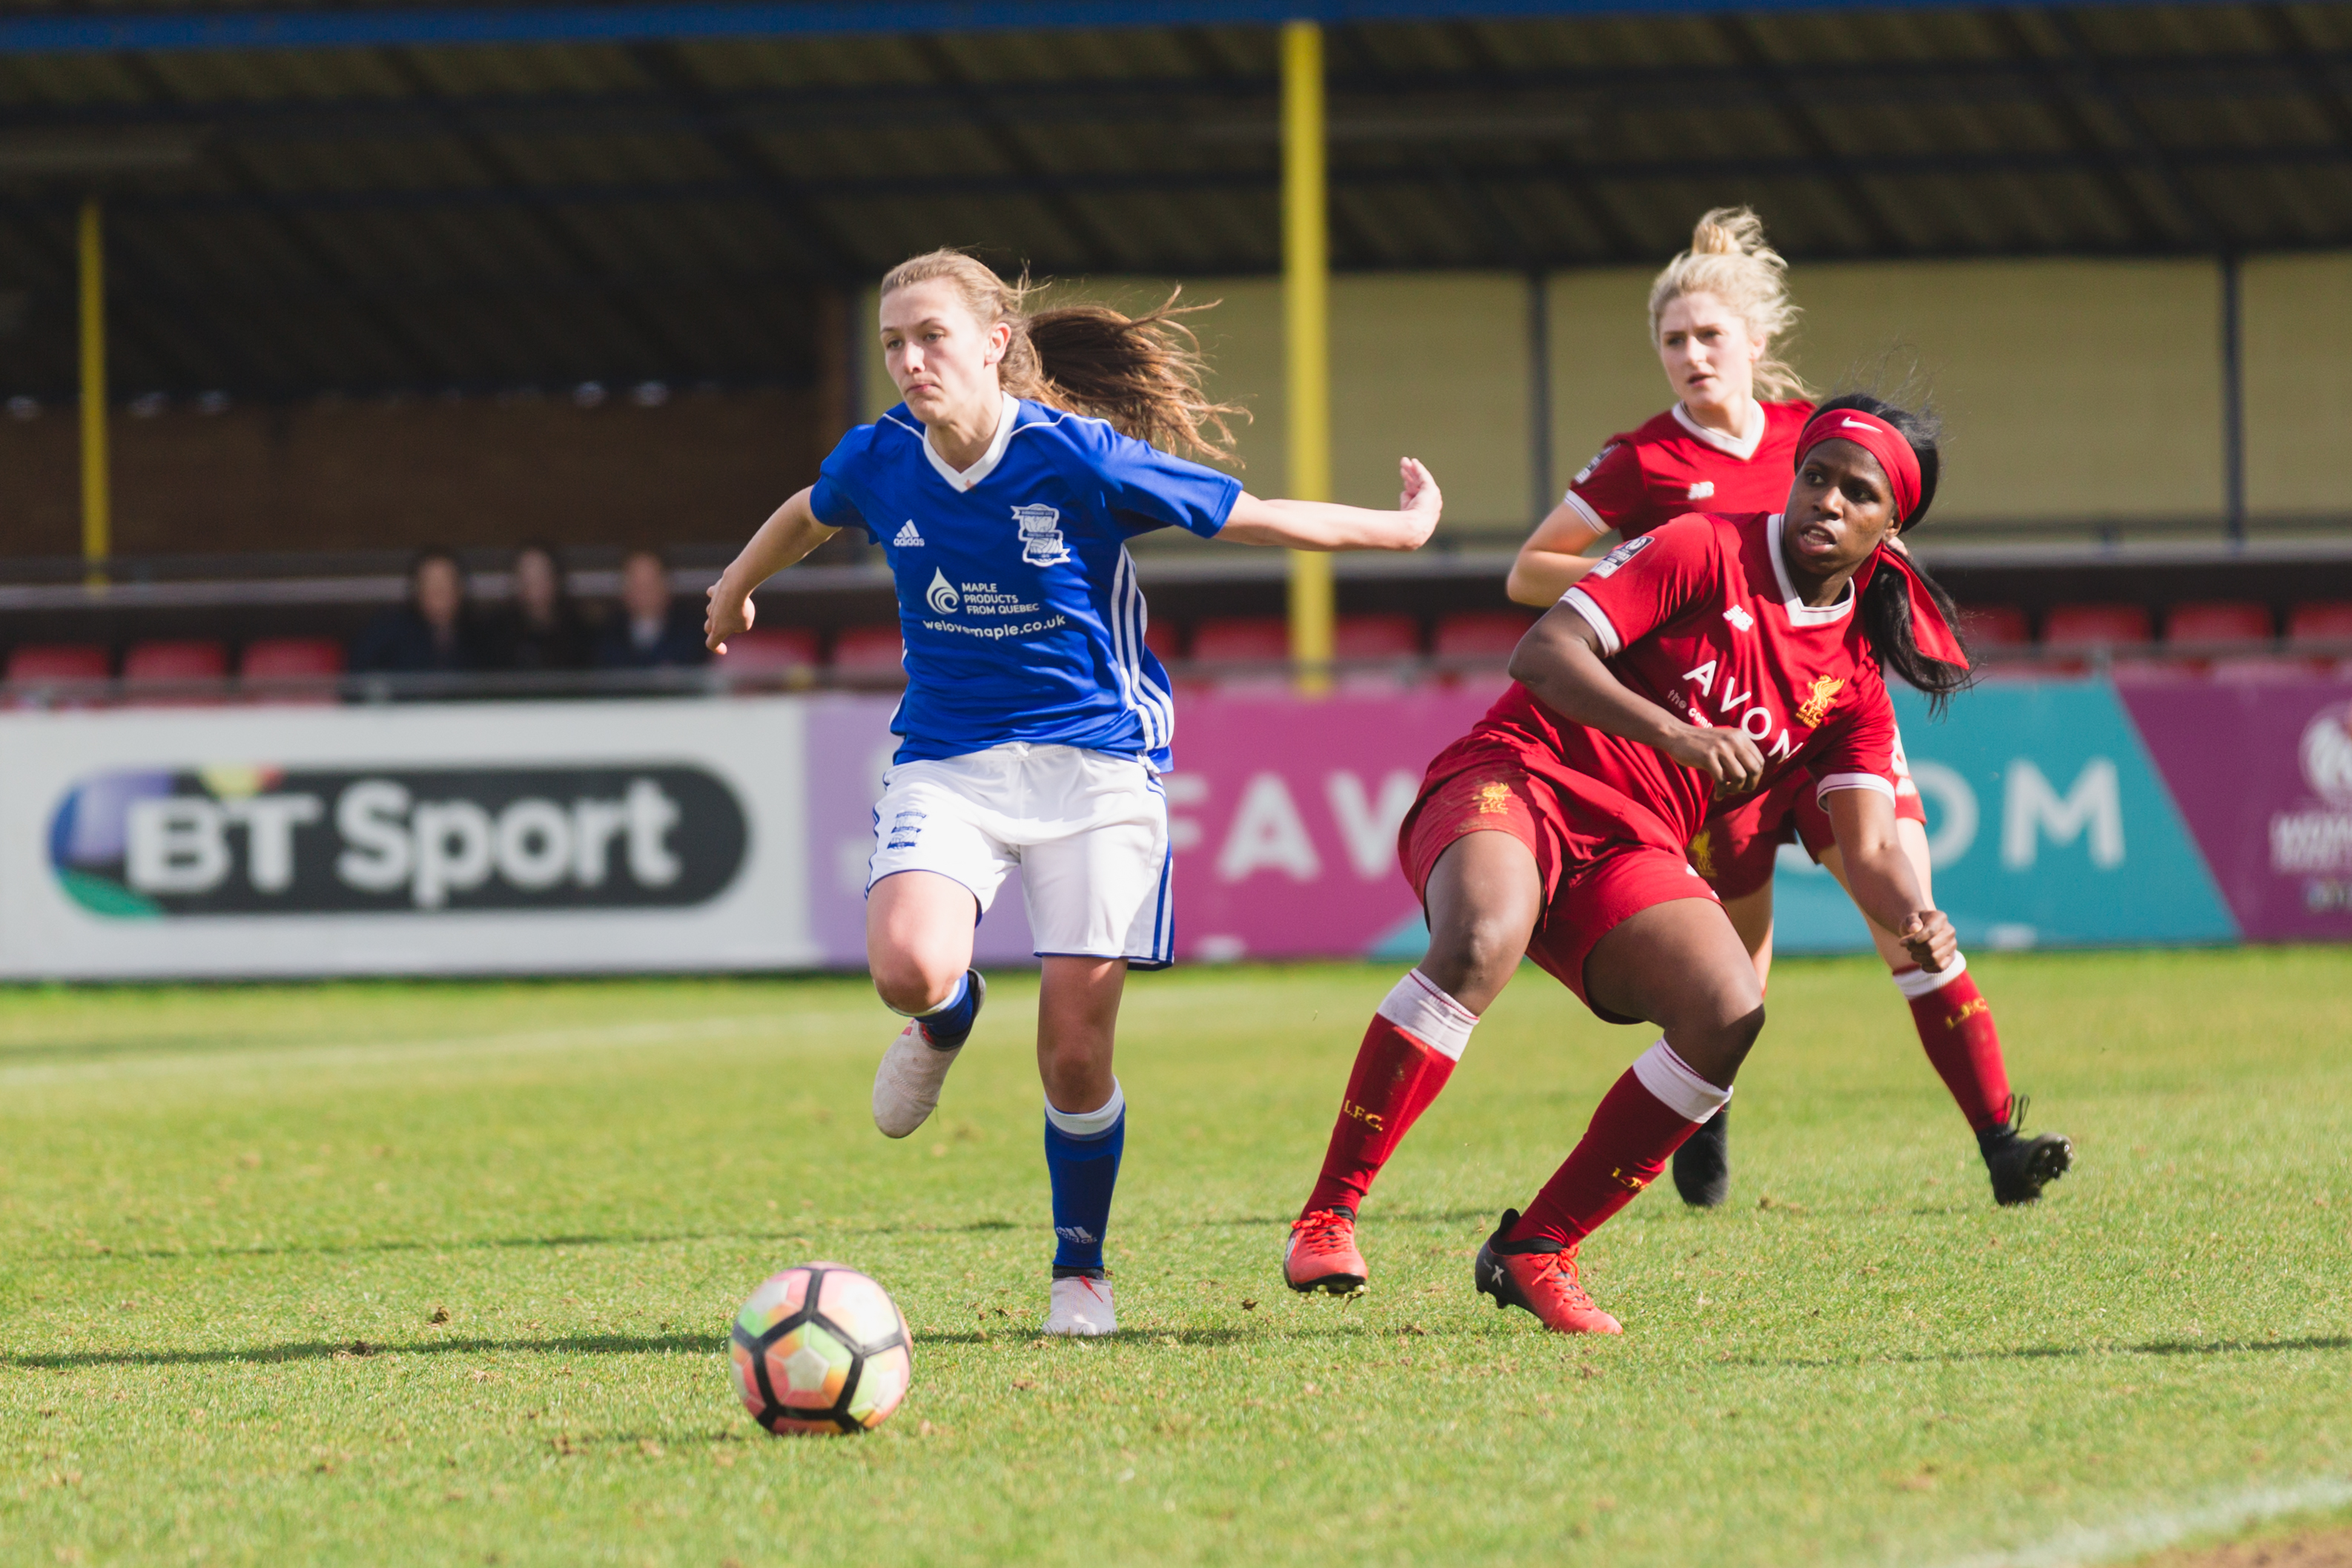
1700,617
1674,465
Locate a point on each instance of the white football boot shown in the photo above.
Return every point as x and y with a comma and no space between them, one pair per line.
907,1084
1082,1308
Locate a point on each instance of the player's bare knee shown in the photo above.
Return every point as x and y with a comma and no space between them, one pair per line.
1474,961
907,985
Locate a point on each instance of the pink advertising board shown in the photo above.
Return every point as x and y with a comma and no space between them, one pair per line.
1283,815
2061,813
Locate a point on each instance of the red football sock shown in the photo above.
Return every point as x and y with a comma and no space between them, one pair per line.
1956,1027
1634,1132
1398,1071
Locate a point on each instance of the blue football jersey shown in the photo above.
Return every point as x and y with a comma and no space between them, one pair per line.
1017,598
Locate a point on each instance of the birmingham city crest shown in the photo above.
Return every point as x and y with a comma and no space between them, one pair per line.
1041,536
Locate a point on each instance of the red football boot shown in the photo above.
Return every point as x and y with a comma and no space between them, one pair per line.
1321,1254
1540,1276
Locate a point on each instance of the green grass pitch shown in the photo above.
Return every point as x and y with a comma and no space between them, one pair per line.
441,1273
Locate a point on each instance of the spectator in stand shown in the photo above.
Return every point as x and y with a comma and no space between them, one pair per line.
432,633
542,630
651,631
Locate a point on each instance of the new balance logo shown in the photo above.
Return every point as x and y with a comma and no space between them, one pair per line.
907,535
1740,619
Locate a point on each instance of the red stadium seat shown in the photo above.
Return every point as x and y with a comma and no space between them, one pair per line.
59,662
1377,637
770,650
188,673
1242,656
1995,626
1481,634
869,651
290,658
2082,627
77,669
2237,624
2091,625
298,669
1235,641
1165,639
2321,622
176,661
1389,644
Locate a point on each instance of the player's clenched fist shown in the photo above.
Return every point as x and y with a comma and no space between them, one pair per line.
730,616
1930,938
1726,755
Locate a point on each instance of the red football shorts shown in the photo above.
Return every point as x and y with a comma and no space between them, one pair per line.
1596,872
1735,852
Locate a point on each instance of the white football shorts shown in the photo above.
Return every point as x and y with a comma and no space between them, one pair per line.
1089,829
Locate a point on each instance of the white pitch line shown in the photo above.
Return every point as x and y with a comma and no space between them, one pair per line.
2083,1545
660,1031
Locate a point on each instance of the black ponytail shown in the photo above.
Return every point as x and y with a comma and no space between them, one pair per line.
1887,602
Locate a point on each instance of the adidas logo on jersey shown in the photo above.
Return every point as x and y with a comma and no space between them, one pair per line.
907,535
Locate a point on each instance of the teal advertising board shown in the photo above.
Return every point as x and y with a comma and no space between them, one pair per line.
2049,824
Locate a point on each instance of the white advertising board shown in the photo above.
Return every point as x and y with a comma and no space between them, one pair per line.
444,839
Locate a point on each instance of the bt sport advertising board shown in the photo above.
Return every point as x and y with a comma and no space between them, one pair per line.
691,835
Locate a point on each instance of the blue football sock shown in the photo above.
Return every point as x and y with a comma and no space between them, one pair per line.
1082,1151
947,1025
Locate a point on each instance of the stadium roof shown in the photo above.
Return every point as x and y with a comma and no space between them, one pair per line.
484,198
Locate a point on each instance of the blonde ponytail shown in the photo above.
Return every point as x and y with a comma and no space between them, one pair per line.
1140,374
1729,259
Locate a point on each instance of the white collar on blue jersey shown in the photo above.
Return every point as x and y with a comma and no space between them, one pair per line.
1742,446
965,479
1799,612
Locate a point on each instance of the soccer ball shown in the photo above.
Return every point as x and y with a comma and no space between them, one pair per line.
821,1348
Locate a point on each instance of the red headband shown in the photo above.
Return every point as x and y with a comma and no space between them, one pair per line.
1878,438
1928,628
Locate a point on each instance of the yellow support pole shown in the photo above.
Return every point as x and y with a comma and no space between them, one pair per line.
1307,316
97,500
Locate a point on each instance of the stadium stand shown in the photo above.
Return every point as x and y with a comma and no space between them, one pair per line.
771,650
2096,625
290,658
2320,623
1376,637
57,674
1238,654
1991,626
1229,640
176,672
2077,633
1166,639
291,670
1479,633
2232,626
868,651
59,662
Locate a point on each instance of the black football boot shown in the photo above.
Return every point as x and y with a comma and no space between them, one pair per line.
2020,1165
1703,1164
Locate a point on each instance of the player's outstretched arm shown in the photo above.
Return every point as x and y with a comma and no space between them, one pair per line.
1326,525
1552,560
788,534
1560,661
1880,876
